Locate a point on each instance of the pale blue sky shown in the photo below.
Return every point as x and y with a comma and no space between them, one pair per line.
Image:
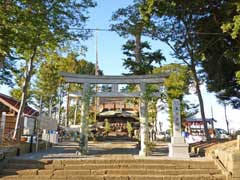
110,57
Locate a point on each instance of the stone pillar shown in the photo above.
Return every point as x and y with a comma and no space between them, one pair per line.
2,126
143,121
177,148
84,120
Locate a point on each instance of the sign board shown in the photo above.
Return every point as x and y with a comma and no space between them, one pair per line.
29,124
176,117
47,123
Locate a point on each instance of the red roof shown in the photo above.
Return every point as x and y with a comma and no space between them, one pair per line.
15,104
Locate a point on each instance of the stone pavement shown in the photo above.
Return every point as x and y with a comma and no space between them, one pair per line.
68,149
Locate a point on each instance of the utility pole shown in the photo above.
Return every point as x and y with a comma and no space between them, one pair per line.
96,64
96,74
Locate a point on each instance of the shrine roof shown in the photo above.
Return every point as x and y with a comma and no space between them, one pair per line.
15,104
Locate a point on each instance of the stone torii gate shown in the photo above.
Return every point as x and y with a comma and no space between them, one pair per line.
88,80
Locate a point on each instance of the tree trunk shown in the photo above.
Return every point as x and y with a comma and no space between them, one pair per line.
50,107
225,114
28,74
138,47
200,99
2,57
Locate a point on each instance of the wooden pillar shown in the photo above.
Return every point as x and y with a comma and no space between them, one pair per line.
144,135
84,120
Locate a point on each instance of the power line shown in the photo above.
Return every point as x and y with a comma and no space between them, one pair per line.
111,30
92,29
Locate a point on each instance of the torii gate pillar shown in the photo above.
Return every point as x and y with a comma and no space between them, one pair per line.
84,120
144,135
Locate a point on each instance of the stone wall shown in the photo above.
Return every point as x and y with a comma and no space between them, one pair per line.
22,148
229,155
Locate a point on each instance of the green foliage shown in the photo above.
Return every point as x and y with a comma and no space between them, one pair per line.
221,52
48,82
128,21
31,29
176,24
71,115
176,87
177,84
238,77
145,66
107,127
234,26
129,128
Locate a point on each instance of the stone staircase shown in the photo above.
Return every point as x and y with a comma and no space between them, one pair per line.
111,169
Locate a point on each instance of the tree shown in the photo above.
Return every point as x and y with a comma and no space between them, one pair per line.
8,30
139,60
48,80
38,26
145,66
220,52
176,86
129,23
175,23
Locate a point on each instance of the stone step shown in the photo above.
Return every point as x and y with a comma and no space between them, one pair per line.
127,171
28,161
137,166
135,172
132,161
118,177
108,166
111,169
25,166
